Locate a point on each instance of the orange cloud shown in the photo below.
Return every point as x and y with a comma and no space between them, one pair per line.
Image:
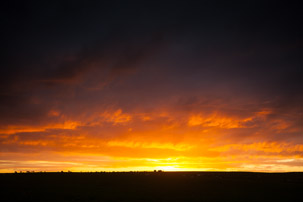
13,129
266,147
137,140
132,144
117,117
216,120
53,113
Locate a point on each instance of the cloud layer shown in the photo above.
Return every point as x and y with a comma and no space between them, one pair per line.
139,86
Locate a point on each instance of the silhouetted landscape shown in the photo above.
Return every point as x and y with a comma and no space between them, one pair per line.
151,186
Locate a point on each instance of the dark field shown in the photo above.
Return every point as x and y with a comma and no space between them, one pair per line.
150,186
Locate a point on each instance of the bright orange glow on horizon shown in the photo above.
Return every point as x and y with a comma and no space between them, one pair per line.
108,86
119,141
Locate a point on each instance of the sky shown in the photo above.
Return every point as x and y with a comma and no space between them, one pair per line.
129,86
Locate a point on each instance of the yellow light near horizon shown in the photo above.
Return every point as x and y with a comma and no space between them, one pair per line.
119,141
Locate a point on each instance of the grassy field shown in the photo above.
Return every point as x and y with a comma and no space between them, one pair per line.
152,186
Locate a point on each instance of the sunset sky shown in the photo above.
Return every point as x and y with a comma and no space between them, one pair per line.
115,86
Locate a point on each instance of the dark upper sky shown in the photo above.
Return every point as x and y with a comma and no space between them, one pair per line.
77,58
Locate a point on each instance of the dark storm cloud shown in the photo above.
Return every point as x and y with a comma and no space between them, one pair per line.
192,54
53,52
